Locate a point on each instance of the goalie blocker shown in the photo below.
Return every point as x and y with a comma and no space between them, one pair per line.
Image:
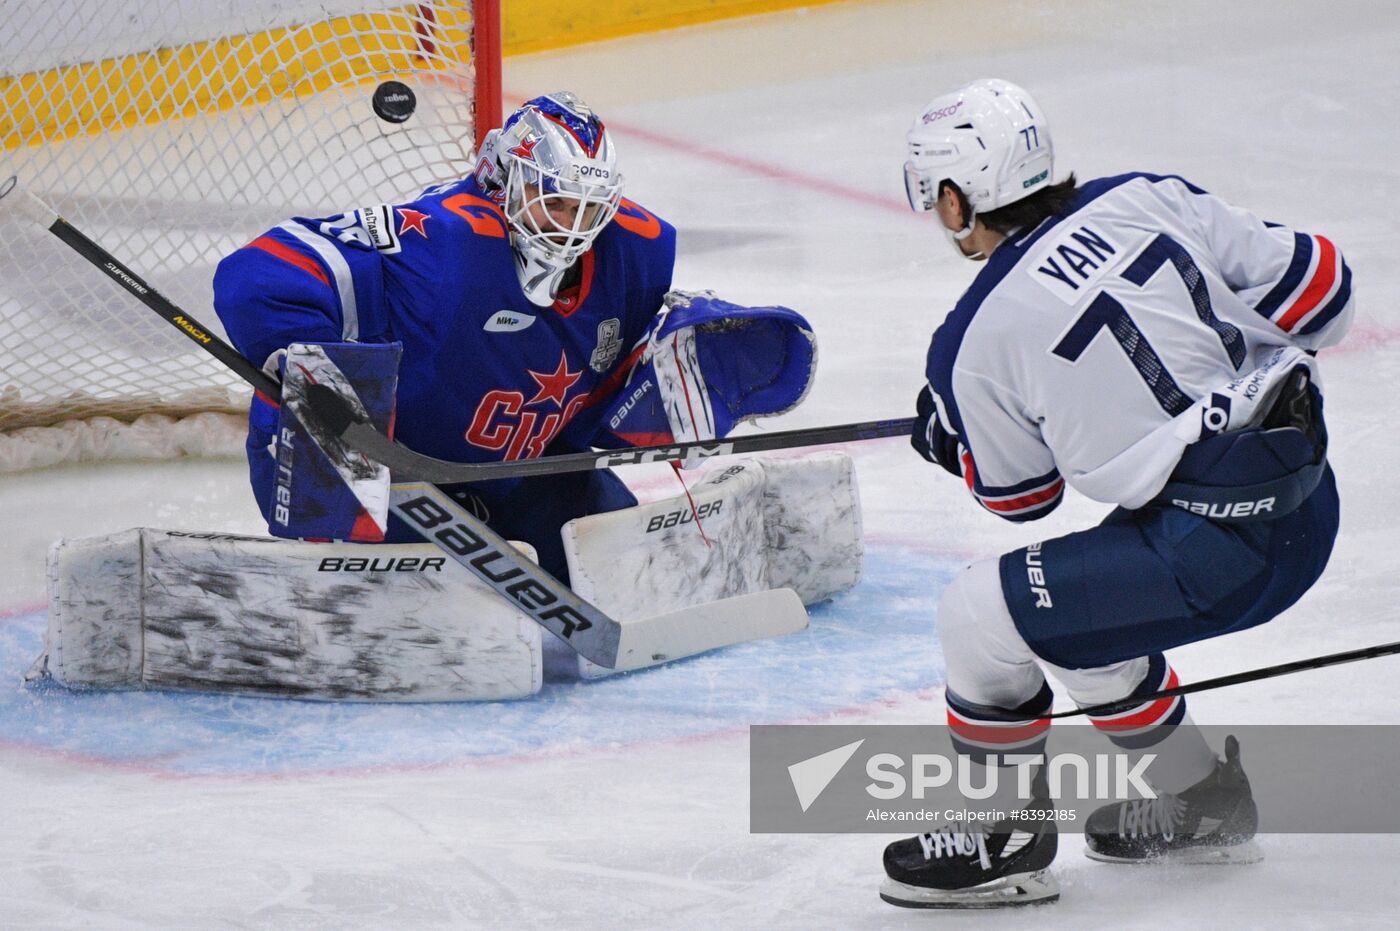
151,609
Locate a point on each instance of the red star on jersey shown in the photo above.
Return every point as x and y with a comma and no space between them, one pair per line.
526,149
555,386
413,220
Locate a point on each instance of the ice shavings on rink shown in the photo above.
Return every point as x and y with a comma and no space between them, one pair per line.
873,643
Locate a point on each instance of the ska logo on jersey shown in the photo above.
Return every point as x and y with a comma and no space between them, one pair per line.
520,428
554,386
413,220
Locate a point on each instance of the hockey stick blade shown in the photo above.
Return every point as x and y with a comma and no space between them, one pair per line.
755,616
333,412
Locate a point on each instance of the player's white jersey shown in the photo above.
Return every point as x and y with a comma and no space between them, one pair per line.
1093,348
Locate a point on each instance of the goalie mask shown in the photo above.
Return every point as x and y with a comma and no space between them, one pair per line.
553,168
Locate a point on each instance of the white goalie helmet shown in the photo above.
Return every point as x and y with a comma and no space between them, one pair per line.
553,167
990,138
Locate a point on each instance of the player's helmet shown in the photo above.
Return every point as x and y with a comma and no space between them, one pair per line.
990,138
554,169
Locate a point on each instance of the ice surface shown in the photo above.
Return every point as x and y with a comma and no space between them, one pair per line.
775,146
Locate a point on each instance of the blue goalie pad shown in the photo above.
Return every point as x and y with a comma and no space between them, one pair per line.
307,483
706,366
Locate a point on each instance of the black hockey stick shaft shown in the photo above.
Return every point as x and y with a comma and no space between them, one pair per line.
134,285
332,411
1220,682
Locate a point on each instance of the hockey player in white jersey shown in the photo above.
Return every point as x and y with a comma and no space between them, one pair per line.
1151,346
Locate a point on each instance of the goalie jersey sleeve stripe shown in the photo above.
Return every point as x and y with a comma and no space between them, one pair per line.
344,283
292,257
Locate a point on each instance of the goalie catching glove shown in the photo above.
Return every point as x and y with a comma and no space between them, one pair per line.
707,365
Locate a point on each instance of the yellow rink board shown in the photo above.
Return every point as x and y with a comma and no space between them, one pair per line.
203,77
537,25
89,98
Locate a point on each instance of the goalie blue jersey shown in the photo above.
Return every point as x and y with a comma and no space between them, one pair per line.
485,374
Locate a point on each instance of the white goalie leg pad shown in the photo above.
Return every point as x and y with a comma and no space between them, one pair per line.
151,609
763,527
812,525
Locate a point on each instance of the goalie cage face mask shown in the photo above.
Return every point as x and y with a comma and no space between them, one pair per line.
562,187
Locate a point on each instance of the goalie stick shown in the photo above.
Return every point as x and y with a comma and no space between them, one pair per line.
333,412
587,629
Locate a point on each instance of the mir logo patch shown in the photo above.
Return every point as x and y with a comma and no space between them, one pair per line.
508,321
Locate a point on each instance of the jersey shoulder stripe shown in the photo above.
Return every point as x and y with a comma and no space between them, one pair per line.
1341,297
297,259
340,271
1292,275
1328,277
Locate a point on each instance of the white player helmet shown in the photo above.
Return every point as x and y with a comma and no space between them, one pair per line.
554,168
990,138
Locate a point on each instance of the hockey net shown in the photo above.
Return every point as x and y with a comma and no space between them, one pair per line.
173,132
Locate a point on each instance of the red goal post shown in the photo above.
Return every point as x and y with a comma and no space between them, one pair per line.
174,131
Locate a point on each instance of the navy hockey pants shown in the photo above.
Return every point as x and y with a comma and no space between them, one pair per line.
1157,577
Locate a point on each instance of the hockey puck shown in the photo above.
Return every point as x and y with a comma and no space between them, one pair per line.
393,101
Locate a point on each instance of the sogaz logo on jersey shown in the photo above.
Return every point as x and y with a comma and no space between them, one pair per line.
508,321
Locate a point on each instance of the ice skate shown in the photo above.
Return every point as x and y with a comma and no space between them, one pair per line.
973,865
1214,821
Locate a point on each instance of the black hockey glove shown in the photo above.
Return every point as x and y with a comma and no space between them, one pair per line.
930,439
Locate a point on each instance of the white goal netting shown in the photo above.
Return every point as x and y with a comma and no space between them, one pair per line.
172,132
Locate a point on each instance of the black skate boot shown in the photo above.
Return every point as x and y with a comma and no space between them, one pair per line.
974,865
1212,822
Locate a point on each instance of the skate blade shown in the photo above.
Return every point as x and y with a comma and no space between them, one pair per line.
1038,888
1232,855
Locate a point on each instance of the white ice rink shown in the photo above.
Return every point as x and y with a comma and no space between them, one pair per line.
774,144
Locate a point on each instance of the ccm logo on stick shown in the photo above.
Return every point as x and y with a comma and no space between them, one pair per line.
459,538
662,455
